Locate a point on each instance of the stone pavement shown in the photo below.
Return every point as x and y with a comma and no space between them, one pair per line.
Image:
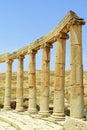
12,120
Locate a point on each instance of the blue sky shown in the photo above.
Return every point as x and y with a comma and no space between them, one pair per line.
23,21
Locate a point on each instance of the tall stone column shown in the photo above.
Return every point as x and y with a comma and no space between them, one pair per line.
32,82
76,73
59,78
19,91
45,80
7,98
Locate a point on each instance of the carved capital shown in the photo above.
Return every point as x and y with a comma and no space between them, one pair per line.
32,52
77,21
9,61
46,45
63,35
21,57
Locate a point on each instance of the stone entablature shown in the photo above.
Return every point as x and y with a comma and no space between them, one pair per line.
63,26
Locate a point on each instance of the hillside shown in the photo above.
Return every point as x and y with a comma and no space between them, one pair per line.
38,86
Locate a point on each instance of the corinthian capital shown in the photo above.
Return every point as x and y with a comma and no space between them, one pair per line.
21,57
46,45
63,35
32,52
9,61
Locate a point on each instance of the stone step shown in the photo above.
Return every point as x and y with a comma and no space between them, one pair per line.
10,122
24,121
4,125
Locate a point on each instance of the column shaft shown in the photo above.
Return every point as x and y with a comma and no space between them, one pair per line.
76,74
7,99
59,78
45,80
32,83
19,92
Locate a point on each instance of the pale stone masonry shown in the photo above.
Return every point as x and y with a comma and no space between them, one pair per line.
7,98
59,78
32,82
19,93
74,124
45,80
73,24
76,95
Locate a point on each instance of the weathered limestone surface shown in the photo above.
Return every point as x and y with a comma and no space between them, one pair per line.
32,82
19,93
74,124
7,98
76,74
59,78
63,26
45,81
10,120
73,24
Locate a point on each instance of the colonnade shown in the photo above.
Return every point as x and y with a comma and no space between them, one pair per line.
76,76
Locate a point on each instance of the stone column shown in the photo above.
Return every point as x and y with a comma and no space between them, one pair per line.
76,73
59,78
32,82
7,98
19,91
45,80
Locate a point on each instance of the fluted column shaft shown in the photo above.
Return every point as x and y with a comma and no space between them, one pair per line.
59,78
32,82
19,91
7,99
45,80
76,73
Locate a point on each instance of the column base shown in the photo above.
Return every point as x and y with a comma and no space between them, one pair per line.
32,111
58,116
44,113
19,109
7,108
